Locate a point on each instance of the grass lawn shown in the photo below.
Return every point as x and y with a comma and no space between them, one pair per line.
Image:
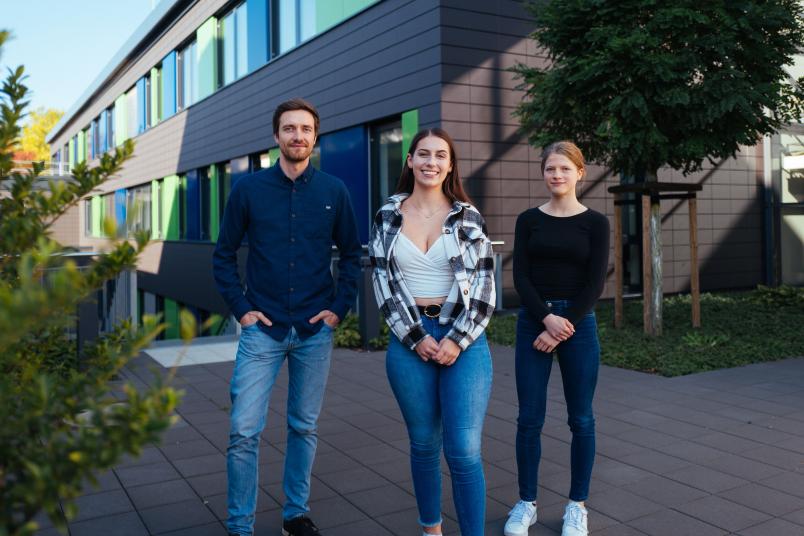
738,328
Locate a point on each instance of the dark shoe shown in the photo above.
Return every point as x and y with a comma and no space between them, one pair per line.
299,526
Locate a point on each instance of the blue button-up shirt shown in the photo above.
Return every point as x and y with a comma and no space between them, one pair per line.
291,226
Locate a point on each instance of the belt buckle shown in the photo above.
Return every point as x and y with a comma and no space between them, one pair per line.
432,310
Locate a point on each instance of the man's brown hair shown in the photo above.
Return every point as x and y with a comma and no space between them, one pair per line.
295,104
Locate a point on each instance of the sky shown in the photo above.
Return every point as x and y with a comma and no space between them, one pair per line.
65,44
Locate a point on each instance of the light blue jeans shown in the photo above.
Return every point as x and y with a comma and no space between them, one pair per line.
259,359
444,405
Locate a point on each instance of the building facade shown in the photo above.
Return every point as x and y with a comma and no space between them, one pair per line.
196,85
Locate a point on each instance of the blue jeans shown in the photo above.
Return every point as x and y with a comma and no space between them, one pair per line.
259,358
444,405
579,359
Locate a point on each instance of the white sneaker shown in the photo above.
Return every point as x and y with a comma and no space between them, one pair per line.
520,518
574,520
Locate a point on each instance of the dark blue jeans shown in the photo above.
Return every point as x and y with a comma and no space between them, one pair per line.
444,405
579,359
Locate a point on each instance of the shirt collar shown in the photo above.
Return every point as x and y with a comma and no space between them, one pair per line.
305,177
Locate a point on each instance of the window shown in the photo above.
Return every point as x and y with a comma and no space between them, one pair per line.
132,121
224,186
148,117
204,200
386,161
138,209
187,76
96,146
110,128
156,207
232,35
88,217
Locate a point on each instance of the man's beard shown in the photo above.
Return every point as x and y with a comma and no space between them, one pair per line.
290,157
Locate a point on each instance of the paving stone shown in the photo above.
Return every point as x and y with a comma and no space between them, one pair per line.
781,458
179,450
764,499
664,491
146,474
102,504
127,524
181,515
654,461
792,483
207,485
617,473
218,504
334,511
147,456
380,501
705,478
722,513
160,493
622,505
775,527
672,523
201,465
796,517
352,480
743,467
365,527
619,530
105,481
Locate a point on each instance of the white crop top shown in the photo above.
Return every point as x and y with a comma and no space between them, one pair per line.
428,275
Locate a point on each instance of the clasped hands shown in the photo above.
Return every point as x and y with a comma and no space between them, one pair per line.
444,352
558,329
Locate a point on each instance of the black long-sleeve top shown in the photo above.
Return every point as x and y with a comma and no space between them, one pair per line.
560,258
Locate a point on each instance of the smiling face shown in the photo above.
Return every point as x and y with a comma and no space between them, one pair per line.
561,175
296,135
430,162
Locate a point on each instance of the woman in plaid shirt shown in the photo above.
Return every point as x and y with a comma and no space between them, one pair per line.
433,276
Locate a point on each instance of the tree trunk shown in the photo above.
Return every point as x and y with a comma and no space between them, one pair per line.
654,294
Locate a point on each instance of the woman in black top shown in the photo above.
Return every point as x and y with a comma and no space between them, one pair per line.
560,260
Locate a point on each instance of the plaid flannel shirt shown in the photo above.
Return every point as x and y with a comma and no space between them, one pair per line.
472,261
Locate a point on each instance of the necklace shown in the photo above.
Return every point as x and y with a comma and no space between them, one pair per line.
424,214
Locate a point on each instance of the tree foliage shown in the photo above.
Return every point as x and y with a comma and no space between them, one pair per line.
33,141
640,84
60,424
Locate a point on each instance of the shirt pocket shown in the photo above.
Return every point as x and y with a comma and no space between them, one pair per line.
318,220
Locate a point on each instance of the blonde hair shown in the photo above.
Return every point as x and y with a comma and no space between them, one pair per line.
564,148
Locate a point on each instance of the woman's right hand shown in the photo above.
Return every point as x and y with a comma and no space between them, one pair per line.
427,348
558,327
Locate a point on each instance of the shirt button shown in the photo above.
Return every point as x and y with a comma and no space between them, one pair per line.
466,292
291,289
292,239
452,259
292,264
446,231
293,215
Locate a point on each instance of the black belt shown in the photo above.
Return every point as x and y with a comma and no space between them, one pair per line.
433,310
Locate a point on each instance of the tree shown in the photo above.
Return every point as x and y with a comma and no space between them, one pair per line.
59,423
642,84
40,122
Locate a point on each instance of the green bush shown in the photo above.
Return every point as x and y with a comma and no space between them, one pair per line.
60,423
347,334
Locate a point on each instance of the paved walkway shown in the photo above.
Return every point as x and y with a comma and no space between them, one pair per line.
708,454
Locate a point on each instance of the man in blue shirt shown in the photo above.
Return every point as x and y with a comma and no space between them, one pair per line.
291,214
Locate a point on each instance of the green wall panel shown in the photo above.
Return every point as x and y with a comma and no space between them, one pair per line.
120,122
327,14
273,155
156,96
214,204
170,208
71,151
172,319
82,146
350,7
97,215
207,42
155,200
410,126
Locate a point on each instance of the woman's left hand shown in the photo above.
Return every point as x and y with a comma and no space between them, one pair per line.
545,342
447,352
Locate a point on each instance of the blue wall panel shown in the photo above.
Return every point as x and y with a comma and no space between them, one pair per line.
120,209
193,206
103,146
141,107
345,154
258,39
169,85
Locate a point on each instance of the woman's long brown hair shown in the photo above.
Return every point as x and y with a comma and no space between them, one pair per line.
452,185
